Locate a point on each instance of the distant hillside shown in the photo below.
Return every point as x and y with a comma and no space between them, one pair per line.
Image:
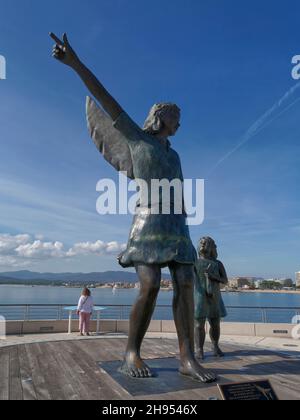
29,277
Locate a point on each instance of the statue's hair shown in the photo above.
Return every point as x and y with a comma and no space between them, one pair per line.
205,245
154,121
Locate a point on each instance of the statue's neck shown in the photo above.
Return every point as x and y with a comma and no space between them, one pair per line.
164,141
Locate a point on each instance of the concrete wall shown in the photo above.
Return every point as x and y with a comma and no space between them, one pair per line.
274,330
115,326
242,329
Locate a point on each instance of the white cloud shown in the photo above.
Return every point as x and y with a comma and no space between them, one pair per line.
22,250
39,249
98,247
8,261
9,243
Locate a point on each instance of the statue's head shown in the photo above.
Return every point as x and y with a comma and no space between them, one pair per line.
207,248
163,117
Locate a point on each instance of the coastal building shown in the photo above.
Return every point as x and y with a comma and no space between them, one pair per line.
232,283
242,282
258,283
286,282
298,279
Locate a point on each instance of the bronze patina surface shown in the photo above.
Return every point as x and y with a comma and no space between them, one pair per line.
156,241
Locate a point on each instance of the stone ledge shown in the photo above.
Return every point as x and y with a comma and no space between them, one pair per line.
122,326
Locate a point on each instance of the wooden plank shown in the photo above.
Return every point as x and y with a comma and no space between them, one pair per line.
15,386
56,383
39,382
103,350
73,373
68,370
102,385
4,374
29,391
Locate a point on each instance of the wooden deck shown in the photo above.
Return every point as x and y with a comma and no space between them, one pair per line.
69,371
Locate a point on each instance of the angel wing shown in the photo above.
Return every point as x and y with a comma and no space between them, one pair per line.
109,141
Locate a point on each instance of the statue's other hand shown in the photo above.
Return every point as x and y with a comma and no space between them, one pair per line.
63,52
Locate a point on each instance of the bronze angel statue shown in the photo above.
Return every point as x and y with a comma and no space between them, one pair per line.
156,240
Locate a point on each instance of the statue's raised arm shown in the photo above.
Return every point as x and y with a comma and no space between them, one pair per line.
112,143
64,53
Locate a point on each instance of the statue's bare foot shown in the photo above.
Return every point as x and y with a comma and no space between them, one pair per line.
200,354
218,352
134,367
192,369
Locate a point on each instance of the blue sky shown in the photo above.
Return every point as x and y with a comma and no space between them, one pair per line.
224,62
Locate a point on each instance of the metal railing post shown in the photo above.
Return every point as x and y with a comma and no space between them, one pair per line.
264,316
26,315
59,313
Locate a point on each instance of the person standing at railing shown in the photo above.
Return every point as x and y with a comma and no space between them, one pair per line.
84,311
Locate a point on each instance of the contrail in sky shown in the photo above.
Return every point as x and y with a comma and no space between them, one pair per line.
278,109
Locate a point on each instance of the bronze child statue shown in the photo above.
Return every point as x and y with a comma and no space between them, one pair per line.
156,240
210,275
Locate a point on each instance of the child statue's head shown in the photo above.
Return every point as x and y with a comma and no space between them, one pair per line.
207,248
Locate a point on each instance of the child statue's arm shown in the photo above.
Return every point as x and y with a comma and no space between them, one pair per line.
223,274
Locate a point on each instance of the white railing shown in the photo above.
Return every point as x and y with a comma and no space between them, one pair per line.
34,312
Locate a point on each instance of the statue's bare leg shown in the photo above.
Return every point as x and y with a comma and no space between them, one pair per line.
215,334
183,307
142,311
200,335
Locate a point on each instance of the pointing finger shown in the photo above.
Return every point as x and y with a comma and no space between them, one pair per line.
65,38
56,39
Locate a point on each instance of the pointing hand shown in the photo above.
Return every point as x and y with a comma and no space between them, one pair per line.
63,52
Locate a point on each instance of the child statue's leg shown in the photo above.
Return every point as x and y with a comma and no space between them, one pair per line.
200,335
215,334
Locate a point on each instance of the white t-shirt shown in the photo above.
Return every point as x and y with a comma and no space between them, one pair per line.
85,304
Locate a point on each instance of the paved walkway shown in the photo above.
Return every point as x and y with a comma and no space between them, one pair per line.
278,344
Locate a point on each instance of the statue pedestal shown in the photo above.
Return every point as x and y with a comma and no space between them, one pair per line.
166,379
